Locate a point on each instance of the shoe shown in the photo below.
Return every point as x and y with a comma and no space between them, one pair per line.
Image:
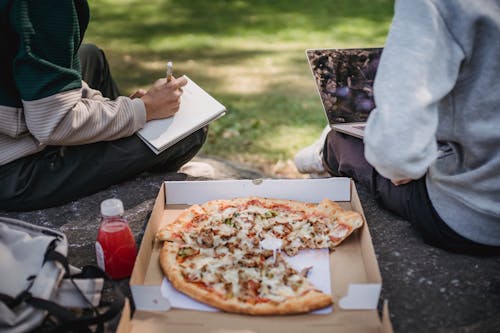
316,175
310,159
198,170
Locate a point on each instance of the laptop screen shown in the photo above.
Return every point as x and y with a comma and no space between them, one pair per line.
344,78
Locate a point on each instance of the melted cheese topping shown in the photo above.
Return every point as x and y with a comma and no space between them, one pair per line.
231,263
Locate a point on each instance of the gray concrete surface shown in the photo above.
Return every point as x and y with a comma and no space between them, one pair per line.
428,289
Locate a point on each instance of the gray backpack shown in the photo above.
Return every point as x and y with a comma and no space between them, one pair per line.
39,289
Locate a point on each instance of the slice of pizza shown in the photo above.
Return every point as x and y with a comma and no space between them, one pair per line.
238,281
213,253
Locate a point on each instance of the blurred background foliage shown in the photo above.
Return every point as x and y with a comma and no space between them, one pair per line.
249,54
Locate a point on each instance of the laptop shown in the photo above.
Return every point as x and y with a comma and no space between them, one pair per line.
344,80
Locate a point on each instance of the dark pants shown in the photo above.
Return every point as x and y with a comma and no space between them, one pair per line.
96,72
58,175
343,155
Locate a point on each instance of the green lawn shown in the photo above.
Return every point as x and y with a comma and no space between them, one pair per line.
247,54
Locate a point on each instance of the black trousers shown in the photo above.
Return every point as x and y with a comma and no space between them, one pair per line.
96,72
58,175
343,155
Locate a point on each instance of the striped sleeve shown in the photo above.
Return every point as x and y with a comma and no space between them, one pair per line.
68,119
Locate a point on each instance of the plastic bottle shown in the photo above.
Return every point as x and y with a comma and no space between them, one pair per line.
115,246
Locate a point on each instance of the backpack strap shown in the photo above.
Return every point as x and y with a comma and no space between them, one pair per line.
92,278
12,302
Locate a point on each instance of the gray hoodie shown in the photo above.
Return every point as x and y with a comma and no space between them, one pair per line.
437,93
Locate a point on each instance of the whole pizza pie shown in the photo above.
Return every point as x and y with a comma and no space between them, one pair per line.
218,252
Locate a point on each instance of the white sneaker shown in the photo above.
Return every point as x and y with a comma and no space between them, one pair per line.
198,170
310,158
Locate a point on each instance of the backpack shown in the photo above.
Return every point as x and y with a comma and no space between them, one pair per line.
40,291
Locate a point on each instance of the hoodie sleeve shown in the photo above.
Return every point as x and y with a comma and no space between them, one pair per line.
419,66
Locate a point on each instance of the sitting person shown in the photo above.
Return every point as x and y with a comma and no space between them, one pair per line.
59,138
431,146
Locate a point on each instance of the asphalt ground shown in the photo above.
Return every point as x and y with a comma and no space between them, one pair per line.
428,289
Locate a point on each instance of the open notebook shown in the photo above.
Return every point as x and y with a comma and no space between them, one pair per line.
344,80
196,110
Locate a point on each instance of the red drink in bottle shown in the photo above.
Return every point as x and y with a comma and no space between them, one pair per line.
115,246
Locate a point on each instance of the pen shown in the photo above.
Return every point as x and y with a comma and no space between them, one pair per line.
169,71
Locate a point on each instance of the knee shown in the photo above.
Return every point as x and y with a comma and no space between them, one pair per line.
198,138
188,146
330,156
89,51
90,56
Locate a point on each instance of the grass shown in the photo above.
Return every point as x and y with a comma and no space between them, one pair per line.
249,54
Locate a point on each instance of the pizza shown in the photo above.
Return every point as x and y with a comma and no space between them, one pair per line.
214,252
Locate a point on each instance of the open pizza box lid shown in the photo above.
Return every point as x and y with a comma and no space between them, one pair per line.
354,273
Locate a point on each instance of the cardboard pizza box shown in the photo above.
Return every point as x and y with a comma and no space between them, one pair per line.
354,274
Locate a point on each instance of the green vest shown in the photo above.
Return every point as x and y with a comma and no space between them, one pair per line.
40,41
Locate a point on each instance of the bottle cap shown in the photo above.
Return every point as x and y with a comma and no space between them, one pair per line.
112,207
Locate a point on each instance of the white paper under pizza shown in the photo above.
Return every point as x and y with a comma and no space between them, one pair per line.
319,276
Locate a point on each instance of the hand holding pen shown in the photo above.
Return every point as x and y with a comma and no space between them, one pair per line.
163,99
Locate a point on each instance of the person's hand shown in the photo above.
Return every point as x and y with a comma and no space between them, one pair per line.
401,181
162,100
138,94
